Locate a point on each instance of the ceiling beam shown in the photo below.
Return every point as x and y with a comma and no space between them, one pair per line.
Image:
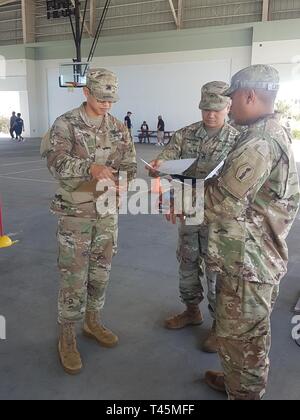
180,14
177,16
28,20
93,14
3,2
173,12
85,24
266,10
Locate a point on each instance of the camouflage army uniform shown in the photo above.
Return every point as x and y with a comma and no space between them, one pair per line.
250,210
191,142
87,240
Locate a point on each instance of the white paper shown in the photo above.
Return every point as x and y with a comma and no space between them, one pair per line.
180,166
176,167
147,164
173,167
216,170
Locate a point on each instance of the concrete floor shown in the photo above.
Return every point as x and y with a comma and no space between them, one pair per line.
150,362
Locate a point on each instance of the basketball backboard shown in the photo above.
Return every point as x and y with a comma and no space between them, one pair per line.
73,75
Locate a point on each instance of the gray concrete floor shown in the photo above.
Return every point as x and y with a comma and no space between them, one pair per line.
150,362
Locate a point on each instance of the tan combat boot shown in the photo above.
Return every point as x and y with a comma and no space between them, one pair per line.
191,316
210,345
67,349
94,329
215,380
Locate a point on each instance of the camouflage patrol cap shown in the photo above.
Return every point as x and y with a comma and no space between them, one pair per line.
103,85
259,76
212,96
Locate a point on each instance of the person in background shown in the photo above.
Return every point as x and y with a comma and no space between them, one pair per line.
19,127
145,132
128,123
160,131
12,123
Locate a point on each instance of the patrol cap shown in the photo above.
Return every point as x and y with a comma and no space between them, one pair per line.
103,85
259,76
213,96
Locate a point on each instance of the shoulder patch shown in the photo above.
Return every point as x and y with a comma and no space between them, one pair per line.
244,172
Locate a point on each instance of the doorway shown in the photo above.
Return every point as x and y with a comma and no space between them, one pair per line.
10,101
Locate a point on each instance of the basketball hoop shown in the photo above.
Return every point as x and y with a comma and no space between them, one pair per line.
73,76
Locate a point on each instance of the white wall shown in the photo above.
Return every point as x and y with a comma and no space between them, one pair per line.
171,90
13,78
150,84
284,55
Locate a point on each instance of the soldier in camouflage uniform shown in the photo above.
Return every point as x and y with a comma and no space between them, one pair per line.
85,146
250,209
210,140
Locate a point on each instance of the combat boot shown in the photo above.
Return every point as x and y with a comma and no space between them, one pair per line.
215,380
191,316
67,348
94,329
210,345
